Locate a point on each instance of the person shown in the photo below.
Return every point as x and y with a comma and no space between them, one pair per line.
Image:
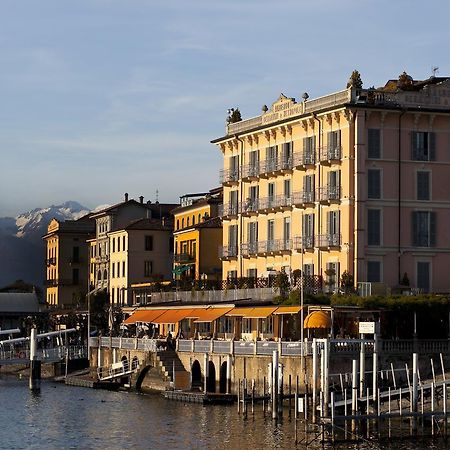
169,341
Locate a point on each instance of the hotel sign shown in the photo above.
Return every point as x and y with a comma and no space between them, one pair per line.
283,108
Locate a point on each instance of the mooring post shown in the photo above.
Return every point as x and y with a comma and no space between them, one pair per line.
362,366
442,366
229,362
206,370
326,376
275,384
35,364
415,389
354,386
314,379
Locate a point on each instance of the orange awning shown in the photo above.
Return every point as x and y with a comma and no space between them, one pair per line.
211,314
288,310
317,319
196,313
239,312
146,316
173,316
261,312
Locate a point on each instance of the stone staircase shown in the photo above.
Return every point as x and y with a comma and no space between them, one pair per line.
169,363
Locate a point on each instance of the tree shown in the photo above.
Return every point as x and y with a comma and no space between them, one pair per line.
347,282
355,80
234,115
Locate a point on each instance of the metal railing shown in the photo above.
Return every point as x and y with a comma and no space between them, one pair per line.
251,171
274,202
183,257
303,197
249,248
305,242
328,240
228,251
228,210
275,245
304,158
330,153
229,176
329,192
249,206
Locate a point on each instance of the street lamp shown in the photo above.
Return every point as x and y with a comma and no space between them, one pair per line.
302,353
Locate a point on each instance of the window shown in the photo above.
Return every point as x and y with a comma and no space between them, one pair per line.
423,276
187,221
232,239
374,144
309,145
123,269
424,228
373,227
233,199
148,268
252,273
123,243
113,245
225,325
308,230
334,191
374,271
232,274
373,183
182,222
286,155
246,325
113,270
193,220
423,185
148,243
254,163
308,188
308,270
334,144
287,188
75,276
333,227
252,236
178,224
423,146
76,254
267,325
270,230
332,273
287,231
118,244
271,194
234,168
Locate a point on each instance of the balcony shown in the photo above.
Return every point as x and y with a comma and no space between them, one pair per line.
229,177
101,259
303,199
304,160
250,207
276,166
329,194
250,172
329,155
228,211
275,246
275,203
50,262
184,258
303,242
228,252
328,241
249,249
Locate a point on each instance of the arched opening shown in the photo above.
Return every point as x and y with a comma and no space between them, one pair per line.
211,383
196,376
141,377
105,274
125,362
134,363
223,378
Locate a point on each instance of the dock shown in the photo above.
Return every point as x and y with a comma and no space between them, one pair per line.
209,398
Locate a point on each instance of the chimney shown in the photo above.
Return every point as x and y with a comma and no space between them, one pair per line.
141,199
126,196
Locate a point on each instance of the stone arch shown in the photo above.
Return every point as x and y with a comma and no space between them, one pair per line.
196,375
223,378
124,360
141,377
211,381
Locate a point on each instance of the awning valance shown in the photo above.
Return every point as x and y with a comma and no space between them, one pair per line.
288,310
239,312
260,312
211,314
146,316
317,319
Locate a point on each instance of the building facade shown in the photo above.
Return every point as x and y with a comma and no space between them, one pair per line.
197,236
139,253
354,182
67,261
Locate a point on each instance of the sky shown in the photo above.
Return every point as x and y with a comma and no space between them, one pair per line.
103,97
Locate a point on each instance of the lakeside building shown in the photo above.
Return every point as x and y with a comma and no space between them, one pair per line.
140,252
354,181
67,261
197,236
110,263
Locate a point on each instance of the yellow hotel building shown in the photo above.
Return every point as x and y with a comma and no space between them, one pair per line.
354,181
197,236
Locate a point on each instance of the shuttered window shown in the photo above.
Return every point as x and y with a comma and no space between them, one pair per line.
374,271
423,185
374,183
423,146
424,228
374,144
373,227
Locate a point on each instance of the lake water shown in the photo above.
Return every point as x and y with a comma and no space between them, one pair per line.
69,417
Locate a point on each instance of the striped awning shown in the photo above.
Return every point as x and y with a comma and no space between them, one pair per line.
146,316
288,310
173,316
211,314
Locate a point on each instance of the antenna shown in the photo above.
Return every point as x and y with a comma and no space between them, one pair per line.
157,195
434,70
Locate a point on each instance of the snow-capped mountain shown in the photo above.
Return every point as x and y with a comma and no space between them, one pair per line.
22,250
33,224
